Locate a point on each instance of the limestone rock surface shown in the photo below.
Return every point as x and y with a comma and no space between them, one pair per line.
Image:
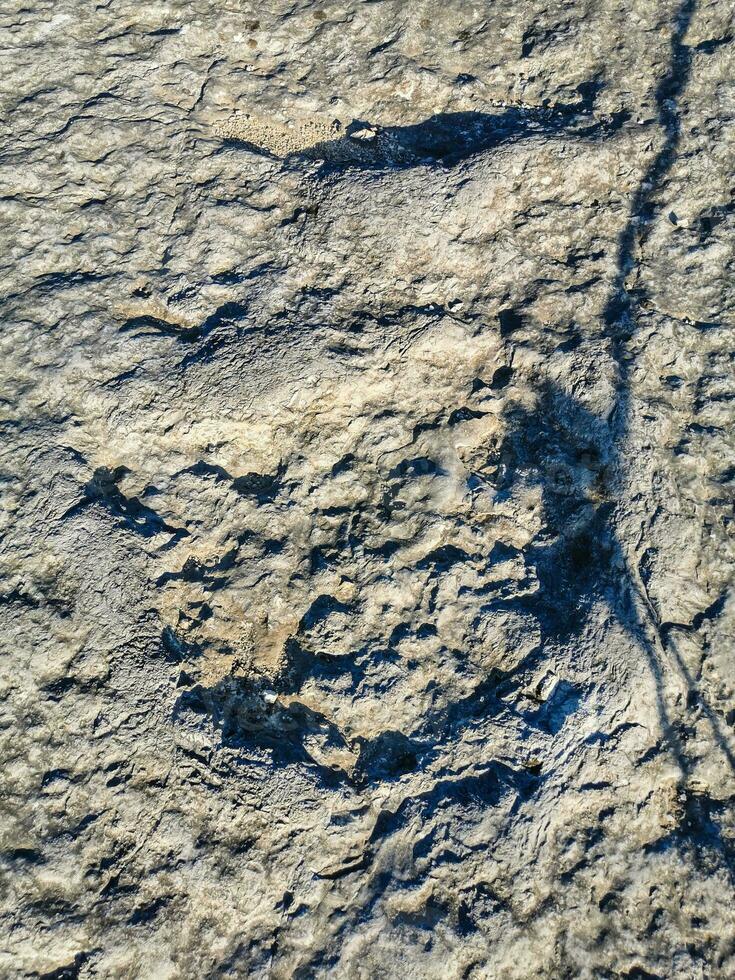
367,468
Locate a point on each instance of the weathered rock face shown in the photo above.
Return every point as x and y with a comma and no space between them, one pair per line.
367,476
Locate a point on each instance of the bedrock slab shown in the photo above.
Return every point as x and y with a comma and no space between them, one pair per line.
367,481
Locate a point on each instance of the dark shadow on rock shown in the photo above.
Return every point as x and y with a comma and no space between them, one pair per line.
153,326
563,448
388,756
623,303
447,138
250,723
103,490
577,558
621,314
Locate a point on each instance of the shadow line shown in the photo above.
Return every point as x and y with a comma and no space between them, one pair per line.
447,138
620,319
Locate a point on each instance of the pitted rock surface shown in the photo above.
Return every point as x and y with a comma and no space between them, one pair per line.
367,482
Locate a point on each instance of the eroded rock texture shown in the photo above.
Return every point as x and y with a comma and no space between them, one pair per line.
367,476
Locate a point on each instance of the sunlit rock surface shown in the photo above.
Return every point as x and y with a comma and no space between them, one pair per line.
367,471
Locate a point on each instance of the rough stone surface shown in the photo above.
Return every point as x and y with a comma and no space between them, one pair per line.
367,478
